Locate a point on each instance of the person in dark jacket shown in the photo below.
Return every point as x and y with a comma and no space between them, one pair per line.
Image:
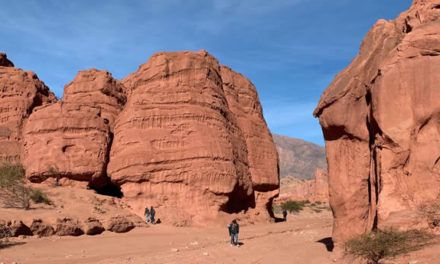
147,214
152,214
234,229
284,215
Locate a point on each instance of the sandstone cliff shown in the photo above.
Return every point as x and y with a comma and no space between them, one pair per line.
182,133
299,158
381,122
21,91
72,138
182,145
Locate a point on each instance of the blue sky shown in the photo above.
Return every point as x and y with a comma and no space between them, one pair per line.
290,49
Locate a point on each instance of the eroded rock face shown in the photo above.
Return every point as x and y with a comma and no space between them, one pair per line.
181,146
119,224
72,138
20,92
381,123
182,134
243,101
68,227
315,190
41,229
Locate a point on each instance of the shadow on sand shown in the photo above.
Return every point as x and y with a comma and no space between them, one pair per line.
328,242
10,244
279,219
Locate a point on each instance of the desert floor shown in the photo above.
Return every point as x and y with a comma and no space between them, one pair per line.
294,241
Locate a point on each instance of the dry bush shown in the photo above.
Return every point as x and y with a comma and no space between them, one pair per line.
431,211
13,191
382,244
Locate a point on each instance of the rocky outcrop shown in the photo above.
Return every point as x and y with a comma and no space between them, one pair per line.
315,190
72,138
381,123
183,137
18,228
299,158
93,226
119,224
68,227
182,134
20,92
41,229
243,101
4,62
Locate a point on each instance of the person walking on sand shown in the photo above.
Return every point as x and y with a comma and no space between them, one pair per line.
234,228
284,214
147,214
152,214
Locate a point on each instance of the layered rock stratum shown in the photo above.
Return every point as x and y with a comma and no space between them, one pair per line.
381,122
182,134
298,158
20,92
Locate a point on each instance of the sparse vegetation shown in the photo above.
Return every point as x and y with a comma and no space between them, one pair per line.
38,196
13,191
431,211
388,243
294,206
54,172
5,232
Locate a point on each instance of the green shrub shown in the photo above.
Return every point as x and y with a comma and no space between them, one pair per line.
38,196
388,243
293,206
13,191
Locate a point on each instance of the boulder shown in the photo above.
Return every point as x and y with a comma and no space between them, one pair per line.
21,91
381,122
41,229
119,224
68,227
93,226
18,228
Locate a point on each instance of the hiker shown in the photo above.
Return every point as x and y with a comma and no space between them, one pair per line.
284,215
147,214
233,232
152,213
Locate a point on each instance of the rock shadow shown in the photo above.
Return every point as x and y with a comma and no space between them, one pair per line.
328,242
10,244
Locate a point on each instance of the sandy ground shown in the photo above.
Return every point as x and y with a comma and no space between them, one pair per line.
294,241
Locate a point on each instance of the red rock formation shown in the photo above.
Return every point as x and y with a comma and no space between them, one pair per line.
381,123
4,62
72,138
243,101
189,138
181,143
20,92
315,190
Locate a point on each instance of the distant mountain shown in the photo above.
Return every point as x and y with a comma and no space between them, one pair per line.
299,158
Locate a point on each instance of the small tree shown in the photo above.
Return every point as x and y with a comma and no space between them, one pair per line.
388,243
13,191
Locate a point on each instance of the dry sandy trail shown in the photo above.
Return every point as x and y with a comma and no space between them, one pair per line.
294,241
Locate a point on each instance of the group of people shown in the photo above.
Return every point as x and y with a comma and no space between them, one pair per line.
149,215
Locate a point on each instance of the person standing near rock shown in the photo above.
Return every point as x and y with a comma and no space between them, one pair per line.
285,215
233,232
147,214
152,214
